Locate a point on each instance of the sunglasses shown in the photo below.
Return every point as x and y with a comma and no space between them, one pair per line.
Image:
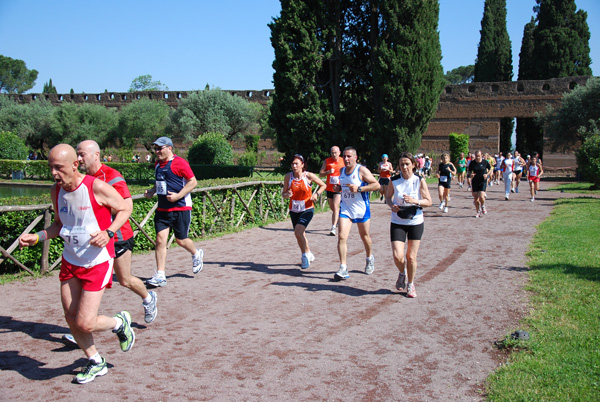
160,148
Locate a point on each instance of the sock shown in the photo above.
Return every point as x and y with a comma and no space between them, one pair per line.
371,258
342,266
119,323
161,274
148,299
96,358
411,284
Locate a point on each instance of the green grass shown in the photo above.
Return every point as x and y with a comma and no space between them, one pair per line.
576,187
561,361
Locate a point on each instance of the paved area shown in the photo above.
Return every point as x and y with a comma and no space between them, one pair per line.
253,327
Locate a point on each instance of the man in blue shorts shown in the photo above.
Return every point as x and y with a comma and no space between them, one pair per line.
356,181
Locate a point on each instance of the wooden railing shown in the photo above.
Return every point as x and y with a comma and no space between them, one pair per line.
224,209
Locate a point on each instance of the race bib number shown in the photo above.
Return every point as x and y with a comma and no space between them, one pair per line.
334,179
161,187
298,206
443,179
348,195
75,236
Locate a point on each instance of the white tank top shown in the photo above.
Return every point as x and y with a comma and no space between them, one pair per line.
353,205
508,165
412,187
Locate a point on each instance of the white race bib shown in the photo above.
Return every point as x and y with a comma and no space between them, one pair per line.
75,236
161,187
298,206
443,179
334,179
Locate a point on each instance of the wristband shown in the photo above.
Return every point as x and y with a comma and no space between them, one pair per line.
42,235
38,239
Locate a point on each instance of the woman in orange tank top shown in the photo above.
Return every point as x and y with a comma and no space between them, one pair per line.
297,186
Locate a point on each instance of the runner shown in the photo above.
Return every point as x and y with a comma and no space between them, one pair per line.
445,171
82,218
518,172
331,168
356,181
427,167
297,187
385,172
534,172
407,195
461,167
174,182
88,155
497,175
507,168
479,170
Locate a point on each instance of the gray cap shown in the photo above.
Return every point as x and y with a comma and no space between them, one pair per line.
162,141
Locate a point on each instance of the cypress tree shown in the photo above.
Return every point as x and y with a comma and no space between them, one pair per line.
494,57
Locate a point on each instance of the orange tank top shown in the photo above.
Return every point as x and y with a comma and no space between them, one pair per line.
385,174
333,178
301,193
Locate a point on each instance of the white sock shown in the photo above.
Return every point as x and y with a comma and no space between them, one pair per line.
119,323
371,258
161,274
148,299
342,266
96,358
411,284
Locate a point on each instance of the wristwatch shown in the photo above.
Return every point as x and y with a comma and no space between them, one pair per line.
359,189
110,233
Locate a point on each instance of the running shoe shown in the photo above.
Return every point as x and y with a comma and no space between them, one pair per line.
478,214
305,264
442,204
150,309
69,339
506,198
411,291
532,199
512,190
445,210
483,209
370,266
517,190
197,261
91,371
333,231
125,332
157,281
401,282
469,188
341,274
491,184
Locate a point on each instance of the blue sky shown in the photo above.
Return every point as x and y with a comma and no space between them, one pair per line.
94,45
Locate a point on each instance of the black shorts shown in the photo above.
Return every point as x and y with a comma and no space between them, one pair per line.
179,221
384,181
122,246
302,218
330,194
400,232
477,186
445,184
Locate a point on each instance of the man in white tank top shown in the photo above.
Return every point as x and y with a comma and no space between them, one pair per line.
356,181
83,207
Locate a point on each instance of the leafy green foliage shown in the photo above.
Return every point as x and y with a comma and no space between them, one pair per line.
211,149
458,143
15,77
211,110
145,83
248,158
31,121
252,142
460,75
49,88
73,123
588,155
12,147
141,122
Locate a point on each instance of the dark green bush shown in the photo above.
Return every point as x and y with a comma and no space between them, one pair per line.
12,147
247,159
252,143
211,149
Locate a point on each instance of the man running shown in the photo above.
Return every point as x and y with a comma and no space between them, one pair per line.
88,155
331,168
83,218
356,181
385,172
174,182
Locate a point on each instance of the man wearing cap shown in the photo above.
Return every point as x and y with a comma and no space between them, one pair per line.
174,183
385,172
331,168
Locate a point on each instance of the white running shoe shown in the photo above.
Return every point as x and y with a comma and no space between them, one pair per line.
445,210
342,273
478,214
532,199
333,231
157,281
370,266
305,262
483,209
197,261
150,309
442,205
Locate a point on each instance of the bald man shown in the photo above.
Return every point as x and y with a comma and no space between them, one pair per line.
88,155
331,168
84,220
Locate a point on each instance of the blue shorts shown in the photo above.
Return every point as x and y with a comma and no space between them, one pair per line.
358,220
179,221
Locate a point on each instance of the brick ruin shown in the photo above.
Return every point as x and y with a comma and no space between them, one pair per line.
474,109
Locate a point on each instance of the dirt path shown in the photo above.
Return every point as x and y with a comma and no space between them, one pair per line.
252,326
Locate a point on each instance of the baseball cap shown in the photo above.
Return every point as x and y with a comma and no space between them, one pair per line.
384,156
162,141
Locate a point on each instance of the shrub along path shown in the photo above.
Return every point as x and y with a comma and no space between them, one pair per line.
252,326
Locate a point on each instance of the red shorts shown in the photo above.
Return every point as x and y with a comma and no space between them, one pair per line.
534,179
92,279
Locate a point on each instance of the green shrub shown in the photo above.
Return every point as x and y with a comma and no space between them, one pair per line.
211,149
588,155
248,158
252,143
458,143
12,147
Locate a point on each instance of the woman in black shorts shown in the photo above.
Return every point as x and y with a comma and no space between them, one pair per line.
406,195
445,171
479,170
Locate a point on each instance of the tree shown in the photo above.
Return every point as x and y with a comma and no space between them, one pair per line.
460,75
494,58
212,110
145,83
360,73
141,122
588,155
49,88
12,147
31,122
211,149
72,123
15,77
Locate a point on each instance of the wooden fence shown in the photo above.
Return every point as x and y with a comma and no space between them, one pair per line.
223,208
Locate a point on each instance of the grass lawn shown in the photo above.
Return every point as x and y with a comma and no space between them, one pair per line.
561,361
575,187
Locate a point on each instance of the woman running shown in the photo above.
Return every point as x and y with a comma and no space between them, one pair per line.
534,172
479,170
406,195
445,171
507,168
385,170
297,187
461,168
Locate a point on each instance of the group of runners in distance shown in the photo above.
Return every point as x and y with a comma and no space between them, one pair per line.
92,207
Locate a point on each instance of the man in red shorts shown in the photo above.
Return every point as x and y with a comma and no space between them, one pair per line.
88,154
83,219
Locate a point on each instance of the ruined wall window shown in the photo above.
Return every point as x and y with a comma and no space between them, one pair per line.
137,96
149,96
124,97
448,90
85,97
495,88
267,93
250,94
546,87
572,85
34,97
60,98
98,97
112,96
178,95
47,97
166,95
520,88
472,88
